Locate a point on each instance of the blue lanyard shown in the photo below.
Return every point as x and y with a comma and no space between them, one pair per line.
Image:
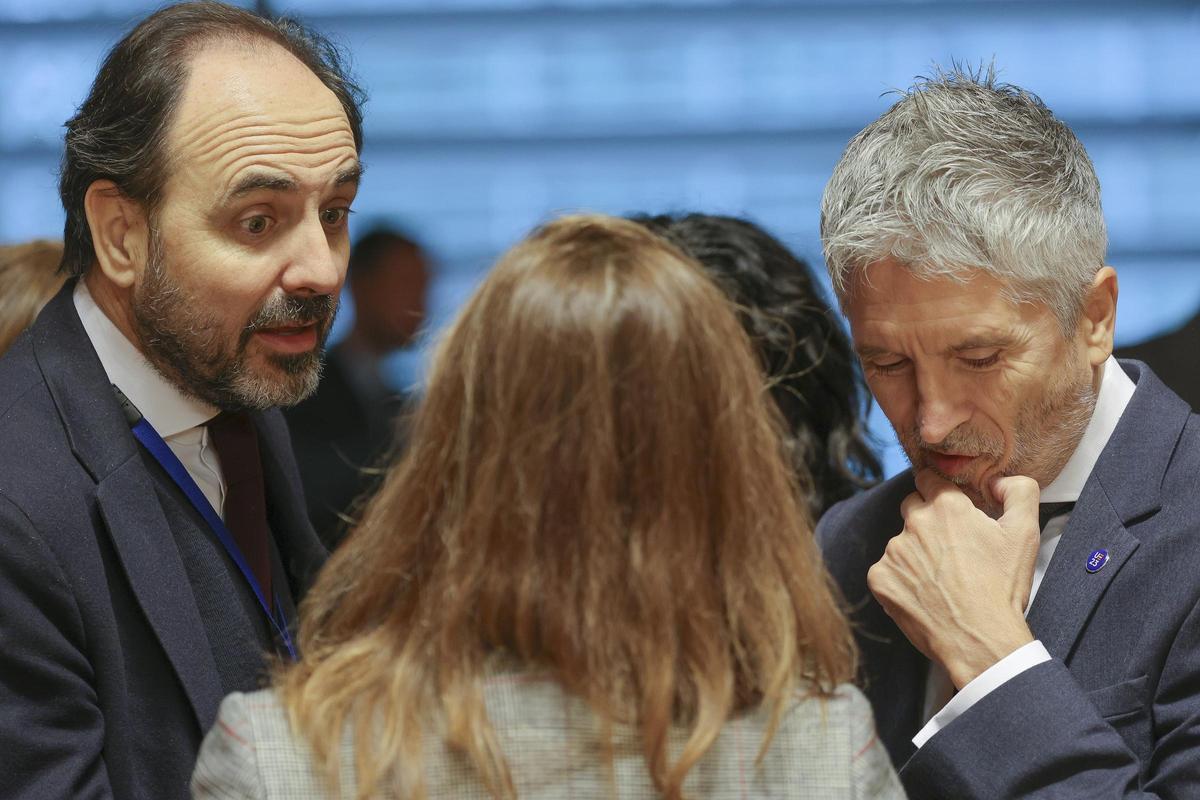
163,454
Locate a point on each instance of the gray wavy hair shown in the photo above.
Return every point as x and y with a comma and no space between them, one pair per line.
964,173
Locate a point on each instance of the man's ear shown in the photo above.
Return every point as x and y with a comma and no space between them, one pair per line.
1099,317
120,232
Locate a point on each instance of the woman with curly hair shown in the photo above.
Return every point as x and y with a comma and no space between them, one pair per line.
813,374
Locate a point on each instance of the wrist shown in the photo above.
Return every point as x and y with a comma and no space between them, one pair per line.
968,663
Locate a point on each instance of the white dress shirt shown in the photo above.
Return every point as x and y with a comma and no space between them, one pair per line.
1116,389
179,418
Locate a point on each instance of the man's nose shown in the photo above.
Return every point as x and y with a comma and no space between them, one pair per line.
940,409
316,266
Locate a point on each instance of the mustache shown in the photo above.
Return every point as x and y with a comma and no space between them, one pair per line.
294,310
958,440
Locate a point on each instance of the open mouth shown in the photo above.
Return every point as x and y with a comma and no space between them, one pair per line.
289,338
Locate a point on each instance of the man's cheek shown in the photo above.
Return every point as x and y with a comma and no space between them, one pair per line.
899,412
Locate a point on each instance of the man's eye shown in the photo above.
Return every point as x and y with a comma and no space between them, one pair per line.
335,216
256,225
890,367
982,363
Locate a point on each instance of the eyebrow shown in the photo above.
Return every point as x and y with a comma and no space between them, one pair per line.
973,343
982,343
869,351
259,181
275,182
352,174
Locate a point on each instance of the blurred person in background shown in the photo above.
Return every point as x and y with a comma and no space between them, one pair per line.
591,574
1027,598
153,539
29,277
812,372
342,432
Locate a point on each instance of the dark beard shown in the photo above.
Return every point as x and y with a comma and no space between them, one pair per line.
187,344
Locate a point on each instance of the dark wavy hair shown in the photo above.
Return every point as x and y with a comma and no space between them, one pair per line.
119,132
814,376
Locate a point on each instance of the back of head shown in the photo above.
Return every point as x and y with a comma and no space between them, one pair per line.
28,278
119,133
812,372
966,172
594,485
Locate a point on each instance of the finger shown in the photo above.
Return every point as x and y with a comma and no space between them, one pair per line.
881,583
930,484
911,504
1019,497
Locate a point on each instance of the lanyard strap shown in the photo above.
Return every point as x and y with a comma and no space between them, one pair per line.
166,457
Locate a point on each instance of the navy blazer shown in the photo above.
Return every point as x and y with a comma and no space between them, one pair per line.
1116,712
123,622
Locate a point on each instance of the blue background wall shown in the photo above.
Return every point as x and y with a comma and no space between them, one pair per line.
487,116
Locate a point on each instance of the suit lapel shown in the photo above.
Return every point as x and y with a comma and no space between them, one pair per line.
102,442
1124,488
1069,592
147,552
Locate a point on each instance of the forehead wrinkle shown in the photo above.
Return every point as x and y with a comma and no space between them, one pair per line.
252,161
252,139
299,137
286,150
201,137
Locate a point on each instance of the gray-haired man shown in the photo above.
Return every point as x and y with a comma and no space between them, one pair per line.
1007,655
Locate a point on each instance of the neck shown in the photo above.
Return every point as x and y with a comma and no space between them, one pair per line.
1098,376
116,304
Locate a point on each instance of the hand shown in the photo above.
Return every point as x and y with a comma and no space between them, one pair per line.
956,581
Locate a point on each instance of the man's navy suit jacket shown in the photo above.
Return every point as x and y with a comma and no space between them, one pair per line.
1116,712
122,620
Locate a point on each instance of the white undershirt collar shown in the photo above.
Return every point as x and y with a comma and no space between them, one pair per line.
1116,390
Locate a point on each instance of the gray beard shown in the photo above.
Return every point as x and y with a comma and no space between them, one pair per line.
1046,434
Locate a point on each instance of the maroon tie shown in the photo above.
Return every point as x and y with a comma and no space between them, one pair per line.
245,498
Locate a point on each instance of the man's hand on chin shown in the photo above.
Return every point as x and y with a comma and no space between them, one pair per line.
955,580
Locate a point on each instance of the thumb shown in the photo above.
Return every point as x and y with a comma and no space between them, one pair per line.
1019,497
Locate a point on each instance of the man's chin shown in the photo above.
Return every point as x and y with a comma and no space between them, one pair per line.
266,380
971,482
292,378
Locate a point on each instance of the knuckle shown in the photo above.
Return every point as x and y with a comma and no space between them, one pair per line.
893,547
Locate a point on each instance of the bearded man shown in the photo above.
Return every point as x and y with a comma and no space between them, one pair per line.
153,540
1010,651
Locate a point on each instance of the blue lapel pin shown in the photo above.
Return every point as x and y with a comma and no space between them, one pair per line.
1097,560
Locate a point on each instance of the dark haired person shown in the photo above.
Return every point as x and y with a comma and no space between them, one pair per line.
153,542
343,430
814,376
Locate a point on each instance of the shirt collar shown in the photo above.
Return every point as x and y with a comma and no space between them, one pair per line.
1116,389
169,410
